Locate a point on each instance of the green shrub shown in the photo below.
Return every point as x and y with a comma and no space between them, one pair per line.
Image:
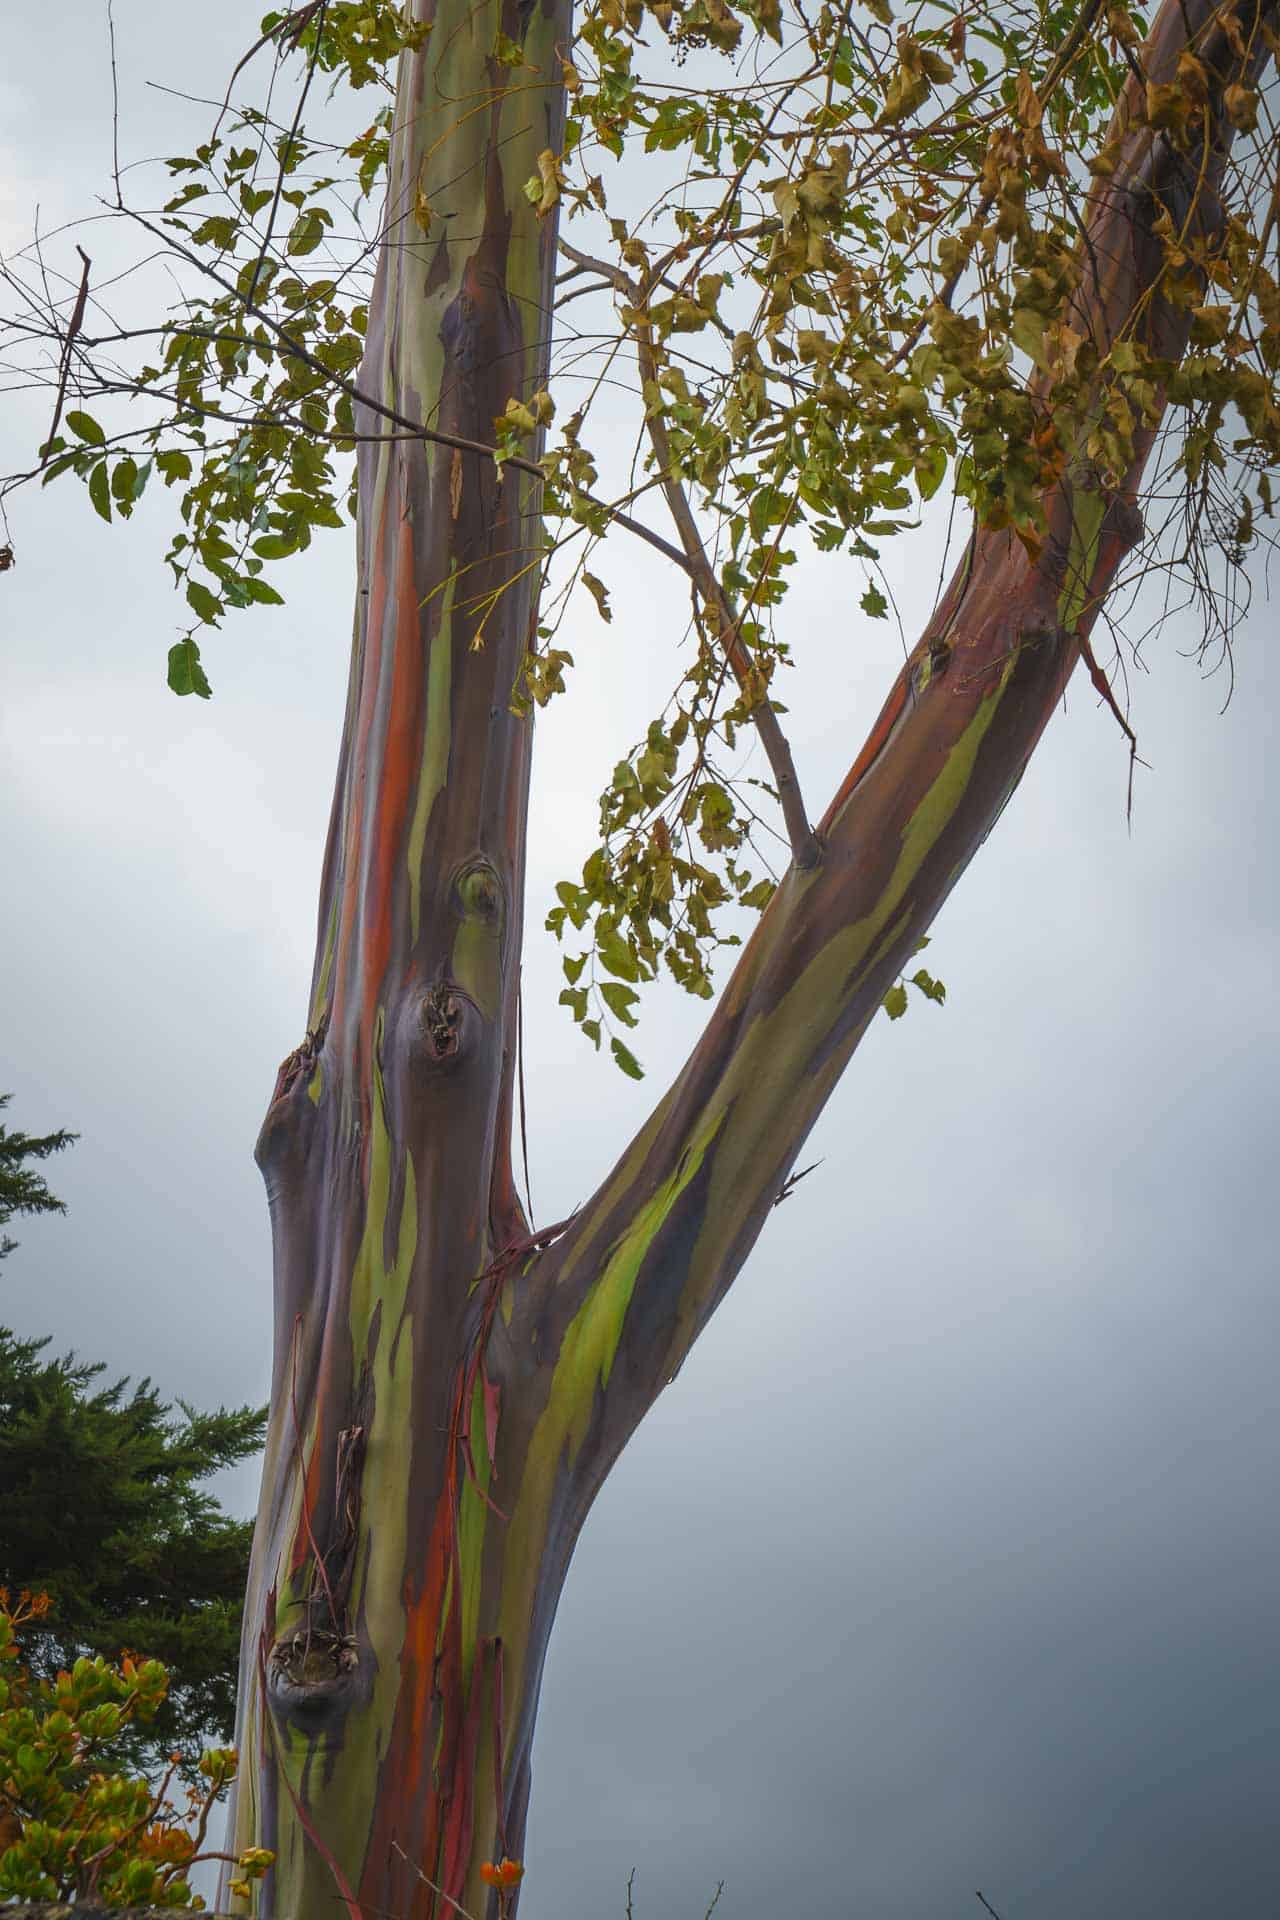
73,1821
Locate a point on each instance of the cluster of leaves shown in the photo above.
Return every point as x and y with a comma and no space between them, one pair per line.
897,998
73,1822
860,282
252,387
854,278
649,891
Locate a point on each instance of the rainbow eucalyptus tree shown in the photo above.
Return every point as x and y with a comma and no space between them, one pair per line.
1015,247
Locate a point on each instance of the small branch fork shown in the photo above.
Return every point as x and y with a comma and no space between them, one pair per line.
805,844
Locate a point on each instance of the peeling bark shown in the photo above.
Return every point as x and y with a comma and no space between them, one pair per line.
449,1393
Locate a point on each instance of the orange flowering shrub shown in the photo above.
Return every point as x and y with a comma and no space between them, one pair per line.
71,1823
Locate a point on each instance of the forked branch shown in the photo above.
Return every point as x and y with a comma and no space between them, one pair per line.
657,1247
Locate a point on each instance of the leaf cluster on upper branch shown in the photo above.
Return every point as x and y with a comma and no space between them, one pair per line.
831,252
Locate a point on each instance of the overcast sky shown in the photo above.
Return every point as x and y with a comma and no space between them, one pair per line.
950,1561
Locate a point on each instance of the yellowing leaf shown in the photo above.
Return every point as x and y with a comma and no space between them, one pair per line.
544,188
599,593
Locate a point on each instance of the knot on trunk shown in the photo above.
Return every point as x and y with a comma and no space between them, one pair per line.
444,1020
311,1674
297,1077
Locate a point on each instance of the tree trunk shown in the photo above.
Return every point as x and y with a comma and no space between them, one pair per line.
447,1395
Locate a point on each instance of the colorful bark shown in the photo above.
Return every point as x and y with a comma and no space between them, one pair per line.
448,1395
369,1656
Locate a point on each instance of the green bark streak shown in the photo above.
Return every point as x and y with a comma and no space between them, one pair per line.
435,751
582,1369
1088,510
477,945
320,994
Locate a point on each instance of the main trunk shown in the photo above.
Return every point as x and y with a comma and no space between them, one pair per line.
395,1625
448,1397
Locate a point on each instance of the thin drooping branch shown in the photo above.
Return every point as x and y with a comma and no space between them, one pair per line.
805,845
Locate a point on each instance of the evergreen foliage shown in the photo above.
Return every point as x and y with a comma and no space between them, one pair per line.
105,1510
22,1189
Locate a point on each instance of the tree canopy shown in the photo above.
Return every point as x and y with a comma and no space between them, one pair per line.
833,256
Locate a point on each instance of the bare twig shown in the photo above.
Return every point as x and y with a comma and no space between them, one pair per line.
1103,687
291,28
793,1180
429,1882
285,155
987,1904
115,105
524,1125
64,367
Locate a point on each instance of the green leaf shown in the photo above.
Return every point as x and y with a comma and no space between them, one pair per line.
575,998
265,596
930,472
931,988
124,485
615,953
174,466
626,1059
874,603
100,491
620,1000
274,546
85,427
307,233
203,603
186,675
507,53
895,1001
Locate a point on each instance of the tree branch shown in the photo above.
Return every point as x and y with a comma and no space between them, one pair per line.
648,1258
414,429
